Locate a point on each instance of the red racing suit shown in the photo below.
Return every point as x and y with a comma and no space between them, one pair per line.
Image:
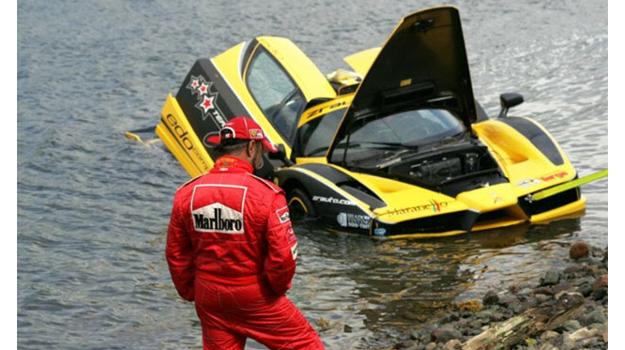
232,250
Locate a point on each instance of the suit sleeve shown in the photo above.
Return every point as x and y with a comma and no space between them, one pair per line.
279,265
179,254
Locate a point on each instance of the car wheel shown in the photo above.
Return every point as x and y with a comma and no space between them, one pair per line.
300,206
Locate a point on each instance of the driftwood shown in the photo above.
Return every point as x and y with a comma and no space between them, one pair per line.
506,334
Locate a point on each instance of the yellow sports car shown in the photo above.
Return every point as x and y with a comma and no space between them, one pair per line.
396,147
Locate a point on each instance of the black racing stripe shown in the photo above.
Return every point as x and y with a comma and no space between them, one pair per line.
536,136
347,183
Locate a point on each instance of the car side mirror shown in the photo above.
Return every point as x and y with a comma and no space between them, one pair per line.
281,155
509,100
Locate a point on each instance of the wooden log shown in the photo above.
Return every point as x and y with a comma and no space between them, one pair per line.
548,316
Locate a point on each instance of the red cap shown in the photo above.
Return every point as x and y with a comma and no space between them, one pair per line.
242,128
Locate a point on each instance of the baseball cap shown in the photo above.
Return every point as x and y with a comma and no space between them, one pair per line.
242,128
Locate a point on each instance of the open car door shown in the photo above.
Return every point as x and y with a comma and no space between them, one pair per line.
269,78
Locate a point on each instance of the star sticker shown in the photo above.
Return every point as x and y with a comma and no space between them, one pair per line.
203,88
205,104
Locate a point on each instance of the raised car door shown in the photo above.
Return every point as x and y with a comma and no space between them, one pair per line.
281,81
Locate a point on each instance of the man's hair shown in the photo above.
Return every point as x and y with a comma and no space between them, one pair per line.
231,146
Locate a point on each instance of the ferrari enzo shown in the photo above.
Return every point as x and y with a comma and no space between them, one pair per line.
395,147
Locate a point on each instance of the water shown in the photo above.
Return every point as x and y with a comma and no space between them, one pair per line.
93,206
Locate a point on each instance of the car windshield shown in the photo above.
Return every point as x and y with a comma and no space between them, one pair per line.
398,132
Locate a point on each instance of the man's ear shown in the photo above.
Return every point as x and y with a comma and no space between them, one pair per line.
249,147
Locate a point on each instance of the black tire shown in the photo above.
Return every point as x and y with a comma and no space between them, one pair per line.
300,205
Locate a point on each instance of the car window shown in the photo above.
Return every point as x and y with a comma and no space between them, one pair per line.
409,127
315,136
274,92
396,132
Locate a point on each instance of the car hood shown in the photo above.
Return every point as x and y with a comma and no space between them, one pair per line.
424,60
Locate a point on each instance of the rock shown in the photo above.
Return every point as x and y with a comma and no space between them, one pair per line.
595,316
469,305
550,278
415,335
347,329
444,334
323,324
583,333
585,289
548,335
430,346
601,282
490,298
567,342
571,325
541,298
453,344
579,250
567,298
600,288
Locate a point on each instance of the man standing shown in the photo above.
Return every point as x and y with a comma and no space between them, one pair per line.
232,250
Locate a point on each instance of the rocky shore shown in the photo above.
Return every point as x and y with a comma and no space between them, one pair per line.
566,309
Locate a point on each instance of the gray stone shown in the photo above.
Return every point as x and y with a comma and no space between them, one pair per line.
571,325
542,298
445,334
550,277
490,298
585,289
595,316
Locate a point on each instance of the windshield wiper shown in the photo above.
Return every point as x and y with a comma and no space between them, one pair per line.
453,137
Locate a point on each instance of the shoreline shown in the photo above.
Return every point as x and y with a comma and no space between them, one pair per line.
567,308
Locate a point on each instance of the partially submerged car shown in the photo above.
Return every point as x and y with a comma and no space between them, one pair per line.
397,147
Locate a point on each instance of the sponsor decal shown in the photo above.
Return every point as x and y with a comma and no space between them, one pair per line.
558,175
183,136
294,251
496,198
433,206
283,214
256,133
380,231
206,99
353,220
528,182
332,200
218,218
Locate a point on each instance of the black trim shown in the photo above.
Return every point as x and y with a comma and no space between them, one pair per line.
346,183
549,203
247,55
536,136
462,220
